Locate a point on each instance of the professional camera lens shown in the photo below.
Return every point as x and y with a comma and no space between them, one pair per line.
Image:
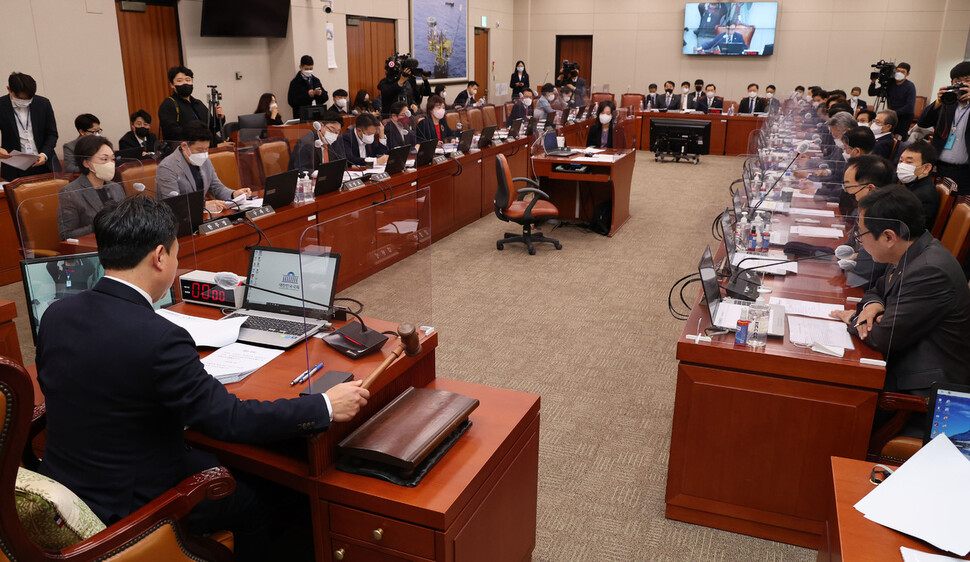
952,94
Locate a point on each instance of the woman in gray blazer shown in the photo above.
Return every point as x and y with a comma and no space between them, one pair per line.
81,199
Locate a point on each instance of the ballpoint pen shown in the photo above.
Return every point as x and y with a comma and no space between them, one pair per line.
305,375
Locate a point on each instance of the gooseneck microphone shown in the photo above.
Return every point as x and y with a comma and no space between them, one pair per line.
741,285
140,187
801,149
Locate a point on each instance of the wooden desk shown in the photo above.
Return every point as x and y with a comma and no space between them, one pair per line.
9,342
729,133
848,534
9,252
576,195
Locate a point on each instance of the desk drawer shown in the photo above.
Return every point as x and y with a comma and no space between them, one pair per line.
382,531
347,551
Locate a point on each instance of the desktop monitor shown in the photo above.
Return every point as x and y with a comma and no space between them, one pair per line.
310,113
251,126
730,28
695,135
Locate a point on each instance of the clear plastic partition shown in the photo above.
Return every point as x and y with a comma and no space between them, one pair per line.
384,278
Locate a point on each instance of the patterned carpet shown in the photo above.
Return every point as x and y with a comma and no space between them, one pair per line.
587,329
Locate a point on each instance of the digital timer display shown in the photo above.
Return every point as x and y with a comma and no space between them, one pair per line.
206,293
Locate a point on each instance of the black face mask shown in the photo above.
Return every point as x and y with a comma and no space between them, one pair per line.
669,90
698,88
142,132
184,90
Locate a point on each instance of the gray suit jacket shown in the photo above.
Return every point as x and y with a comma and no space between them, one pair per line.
923,332
175,174
70,166
78,202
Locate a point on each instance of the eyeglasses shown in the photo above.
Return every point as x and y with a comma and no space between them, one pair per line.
846,188
94,131
857,236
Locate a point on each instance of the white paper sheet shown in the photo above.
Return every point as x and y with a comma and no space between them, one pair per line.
596,158
812,212
799,195
20,160
910,555
927,497
205,332
817,231
254,203
807,331
807,308
331,51
237,361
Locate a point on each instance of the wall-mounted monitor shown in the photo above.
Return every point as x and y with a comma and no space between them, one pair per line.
245,18
730,28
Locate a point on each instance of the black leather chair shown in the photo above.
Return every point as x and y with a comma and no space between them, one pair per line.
518,210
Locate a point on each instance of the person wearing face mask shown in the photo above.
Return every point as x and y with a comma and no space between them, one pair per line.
398,129
566,100
267,105
772,103
544,104
798,94
188,169
858,104
27,125
579,83
668,99
341,99
601,131
362,103
434,125
866,117
304,157
857,141
752,104
305,88
522,108
710,100
882,128
81,199
467,96
86,124
652,95
829,187
686,99
914,169
180,107
139,141
863,175
838,124
361,142
900,97
697,94
952,134
519,79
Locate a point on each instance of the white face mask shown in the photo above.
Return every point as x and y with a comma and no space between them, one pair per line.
550,97
198,158
272,106
367,139
306,73
796,96
341,103
19,103
527,101
899,76
104,172
839,143
876,128
815,104
846,156
330,137
906,172
444,94
854,98
407,112
438,113
710,95
684,90
752,95
605,118
769,95
566,98
520,69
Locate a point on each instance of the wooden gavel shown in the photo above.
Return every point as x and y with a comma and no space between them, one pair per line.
410,345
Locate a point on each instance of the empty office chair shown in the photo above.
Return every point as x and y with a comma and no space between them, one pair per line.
151,533
520,211
452,119
274,156
635,100
955,234
885,443
142,171
227,167
489,117
946,188
601,96
33,203
475,119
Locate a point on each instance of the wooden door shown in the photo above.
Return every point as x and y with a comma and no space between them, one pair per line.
481,61
369,42
150,45
576,48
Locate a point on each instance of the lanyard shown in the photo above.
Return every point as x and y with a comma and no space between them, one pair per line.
20,123
956,121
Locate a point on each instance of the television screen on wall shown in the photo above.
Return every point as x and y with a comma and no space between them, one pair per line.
730,28
245,18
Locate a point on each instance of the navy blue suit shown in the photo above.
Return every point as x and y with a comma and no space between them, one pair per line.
121,383
703,106
348,146
45,136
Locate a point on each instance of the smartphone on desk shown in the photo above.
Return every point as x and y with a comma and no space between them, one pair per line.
329,380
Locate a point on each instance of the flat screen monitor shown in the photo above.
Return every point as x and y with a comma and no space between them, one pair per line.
730,28
245,18
695,134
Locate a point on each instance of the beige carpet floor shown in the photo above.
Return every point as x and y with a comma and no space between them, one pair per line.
587,328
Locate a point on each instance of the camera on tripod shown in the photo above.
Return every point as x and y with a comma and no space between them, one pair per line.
395,65
569,69
952,94
883,75
215,96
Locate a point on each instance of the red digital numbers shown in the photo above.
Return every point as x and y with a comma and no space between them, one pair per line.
206,292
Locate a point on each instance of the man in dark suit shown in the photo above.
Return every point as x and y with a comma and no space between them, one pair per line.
305,88
139,141
397,131
121,384
522,108
180,108
729,37
710,100
882,128
952,135
914,169
686,98
361,142
918,313
668,99
467,96
752,103
696,95
651,96
27,124
306,156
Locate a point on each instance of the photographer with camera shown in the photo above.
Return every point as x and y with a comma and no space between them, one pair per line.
399,83
569,74
948,114
899,92
305,88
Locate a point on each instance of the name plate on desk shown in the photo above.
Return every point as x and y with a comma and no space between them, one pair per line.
352,184
212,227
457,154
263,211
380,177
439,160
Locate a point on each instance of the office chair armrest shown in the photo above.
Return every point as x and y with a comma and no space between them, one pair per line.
38,422
529,181
539,194
893,401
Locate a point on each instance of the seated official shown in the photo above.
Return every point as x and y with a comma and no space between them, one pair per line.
544,104
914,169
80,200
686,97
188,169
918,313
397,131
730,36
651,96
434,125
668,99
522,108
267,106
863,175
858,104
306,156
752,104
468,96
567,99
709,100
86,124
865,117
601,131
340,101
121,383
882,127
360,142
140,135
772,102
857,141
837,125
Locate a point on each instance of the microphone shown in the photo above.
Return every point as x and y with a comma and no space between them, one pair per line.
140,187
801,149
741,286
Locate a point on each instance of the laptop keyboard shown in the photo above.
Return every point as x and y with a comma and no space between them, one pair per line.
273,325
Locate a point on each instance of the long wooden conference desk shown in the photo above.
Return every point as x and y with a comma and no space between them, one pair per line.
729,133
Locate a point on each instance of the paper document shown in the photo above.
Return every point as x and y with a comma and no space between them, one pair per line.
352,175
807,308
597,158
376,169
927,497
205,332
20,160
768,263
808,331
910,555
251,204
800,195
592,150
817,232
812,212
235,362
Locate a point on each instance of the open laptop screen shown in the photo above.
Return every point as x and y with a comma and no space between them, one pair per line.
549,142
951,415
300,276
712,291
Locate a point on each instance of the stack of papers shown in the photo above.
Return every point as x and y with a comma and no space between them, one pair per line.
235,362
810,331
20,160
817,231
807,308
205,332
812,212
927,497
594,158
253,203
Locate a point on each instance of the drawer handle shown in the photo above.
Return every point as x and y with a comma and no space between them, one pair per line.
378,534
338,554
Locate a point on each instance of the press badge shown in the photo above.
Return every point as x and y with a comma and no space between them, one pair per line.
949,141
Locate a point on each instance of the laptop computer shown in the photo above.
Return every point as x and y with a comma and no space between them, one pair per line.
550,120
726,312
330,176
47,280
550,145
284,320
465,141
425,152
949,414
736,255
397,159
280,189
514,128
188,210
485,139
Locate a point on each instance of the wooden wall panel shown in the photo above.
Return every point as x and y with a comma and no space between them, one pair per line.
576,48
481,61
369,42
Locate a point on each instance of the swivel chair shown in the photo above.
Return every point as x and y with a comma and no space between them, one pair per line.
520,211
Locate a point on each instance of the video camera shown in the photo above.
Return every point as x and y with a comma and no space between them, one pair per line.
883,75
951,94
395,64
569,69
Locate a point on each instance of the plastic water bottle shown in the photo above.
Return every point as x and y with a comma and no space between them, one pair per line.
741,236
765,232
757,225
301,188
759,314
